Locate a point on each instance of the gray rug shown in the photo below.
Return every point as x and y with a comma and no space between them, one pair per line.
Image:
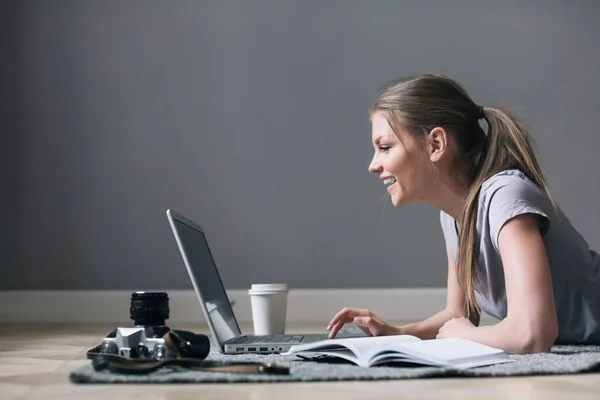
561,360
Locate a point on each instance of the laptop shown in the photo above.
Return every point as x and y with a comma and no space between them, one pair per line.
201,267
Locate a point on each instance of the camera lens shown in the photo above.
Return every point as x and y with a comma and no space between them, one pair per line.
109,347
142,351
149,308
160,352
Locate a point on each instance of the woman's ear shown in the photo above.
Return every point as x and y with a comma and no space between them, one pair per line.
437,144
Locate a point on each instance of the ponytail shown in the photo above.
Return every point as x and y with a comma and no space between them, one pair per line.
508,145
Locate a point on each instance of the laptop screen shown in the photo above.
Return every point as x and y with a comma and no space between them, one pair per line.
205,276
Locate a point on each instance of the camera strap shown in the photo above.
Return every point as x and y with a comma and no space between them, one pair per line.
123,365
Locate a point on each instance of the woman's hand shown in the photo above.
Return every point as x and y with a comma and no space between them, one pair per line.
364,319
455,328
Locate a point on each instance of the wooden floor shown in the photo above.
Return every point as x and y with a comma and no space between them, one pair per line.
35,362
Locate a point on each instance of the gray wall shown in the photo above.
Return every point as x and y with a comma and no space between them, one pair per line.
251,118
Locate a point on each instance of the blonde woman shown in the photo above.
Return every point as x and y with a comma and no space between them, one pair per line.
511,251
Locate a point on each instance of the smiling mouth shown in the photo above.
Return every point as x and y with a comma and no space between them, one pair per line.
389,181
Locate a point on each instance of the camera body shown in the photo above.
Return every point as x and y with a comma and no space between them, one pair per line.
143,342
149,338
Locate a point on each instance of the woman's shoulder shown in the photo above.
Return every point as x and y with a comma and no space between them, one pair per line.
508,194
511,186
502,197
506,177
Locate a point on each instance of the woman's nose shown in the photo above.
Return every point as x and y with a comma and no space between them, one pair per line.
374,167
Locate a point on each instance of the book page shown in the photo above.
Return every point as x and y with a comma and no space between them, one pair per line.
342,353
397,358
362,347
367,349
450,351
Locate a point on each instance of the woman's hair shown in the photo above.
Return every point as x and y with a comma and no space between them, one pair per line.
419,104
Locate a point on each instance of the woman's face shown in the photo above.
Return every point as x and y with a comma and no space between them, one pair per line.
402,165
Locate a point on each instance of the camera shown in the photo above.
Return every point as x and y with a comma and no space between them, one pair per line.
149,338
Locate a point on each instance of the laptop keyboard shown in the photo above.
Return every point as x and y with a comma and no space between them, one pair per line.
270,339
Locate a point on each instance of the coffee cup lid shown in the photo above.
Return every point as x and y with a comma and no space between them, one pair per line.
269,287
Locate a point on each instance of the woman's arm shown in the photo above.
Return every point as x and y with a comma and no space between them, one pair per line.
531,324
429,328
426,329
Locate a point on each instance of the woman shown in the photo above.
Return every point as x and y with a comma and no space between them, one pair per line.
511,251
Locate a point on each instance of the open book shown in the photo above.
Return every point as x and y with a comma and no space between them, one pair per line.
372,351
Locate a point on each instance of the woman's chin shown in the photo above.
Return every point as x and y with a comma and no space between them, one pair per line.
398,201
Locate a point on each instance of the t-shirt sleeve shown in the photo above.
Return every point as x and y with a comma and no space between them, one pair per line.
515,198
446,222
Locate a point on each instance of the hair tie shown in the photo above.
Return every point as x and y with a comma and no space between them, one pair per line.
481,113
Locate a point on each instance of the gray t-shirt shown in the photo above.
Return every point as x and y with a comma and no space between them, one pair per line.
575,267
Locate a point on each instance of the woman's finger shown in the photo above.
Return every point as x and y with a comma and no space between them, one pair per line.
372,326
364,323
335,318
335,328
345,314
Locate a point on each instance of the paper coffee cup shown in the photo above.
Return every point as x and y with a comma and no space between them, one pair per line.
269,308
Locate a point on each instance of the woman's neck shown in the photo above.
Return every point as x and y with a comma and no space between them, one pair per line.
450,191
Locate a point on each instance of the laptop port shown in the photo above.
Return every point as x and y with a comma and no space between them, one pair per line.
239,349
264,349
251,348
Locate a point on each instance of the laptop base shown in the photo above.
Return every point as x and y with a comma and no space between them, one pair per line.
238,346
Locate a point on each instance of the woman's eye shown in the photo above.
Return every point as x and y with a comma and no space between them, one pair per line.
384,149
